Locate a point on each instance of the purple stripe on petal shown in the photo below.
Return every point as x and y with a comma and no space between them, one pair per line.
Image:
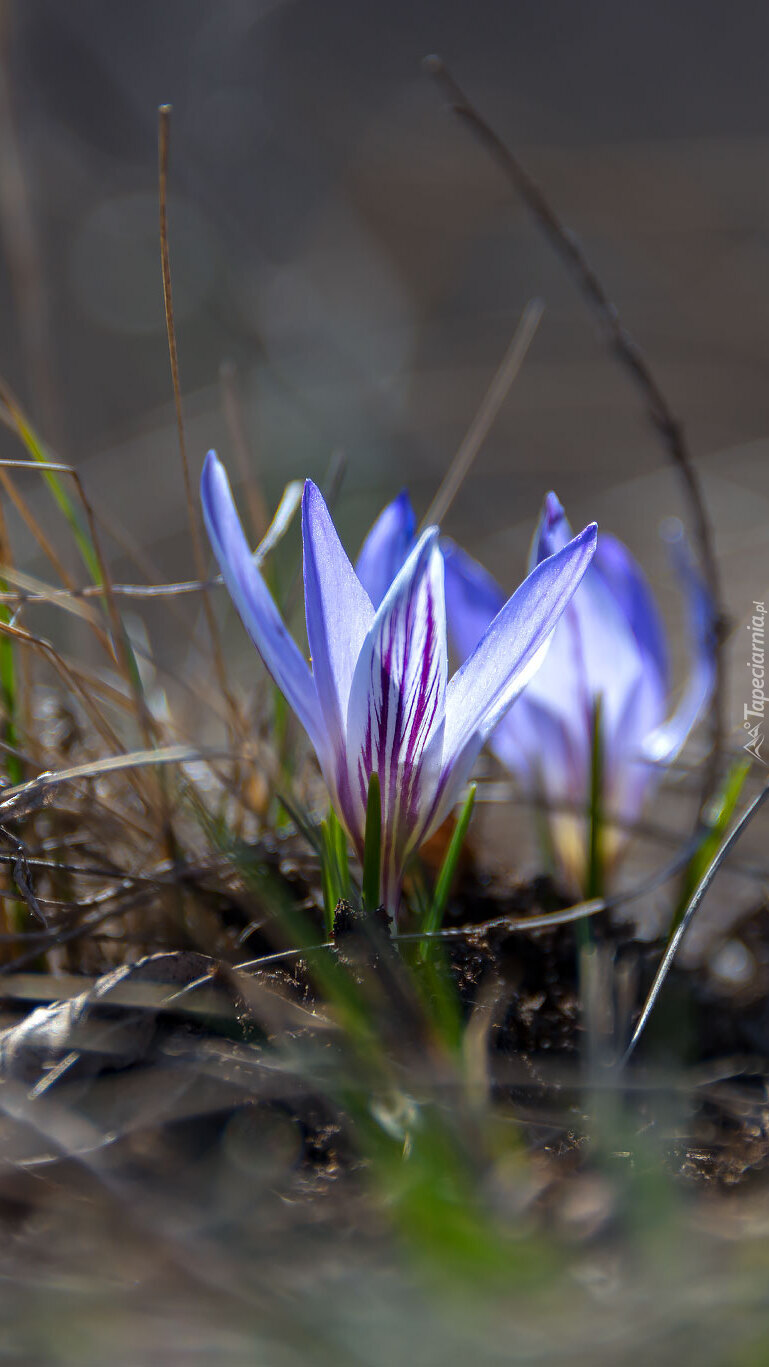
395,717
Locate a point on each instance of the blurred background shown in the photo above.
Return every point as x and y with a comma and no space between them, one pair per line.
341,243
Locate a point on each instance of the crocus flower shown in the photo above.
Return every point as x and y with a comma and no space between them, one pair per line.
609,644
378,698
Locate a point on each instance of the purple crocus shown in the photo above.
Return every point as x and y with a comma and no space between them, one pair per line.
378,698
608,645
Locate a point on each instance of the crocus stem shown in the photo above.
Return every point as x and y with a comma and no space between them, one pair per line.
595,861
437,907
335,868
343,865
372,846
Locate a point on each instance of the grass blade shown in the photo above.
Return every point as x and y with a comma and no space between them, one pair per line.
721,812
691,910
440,899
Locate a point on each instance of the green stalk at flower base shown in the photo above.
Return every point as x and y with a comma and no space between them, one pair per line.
372,846
437,908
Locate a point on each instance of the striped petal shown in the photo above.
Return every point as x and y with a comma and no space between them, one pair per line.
387,547
255,604
395,716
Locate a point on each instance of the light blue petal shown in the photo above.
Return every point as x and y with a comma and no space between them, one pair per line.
549,757
395,717
473,599
339,613
506,657
387,547
626,580
553,531
664,743
629,774
254,602
595,648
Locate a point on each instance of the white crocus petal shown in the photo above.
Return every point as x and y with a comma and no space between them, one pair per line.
255,604
338,613
395,717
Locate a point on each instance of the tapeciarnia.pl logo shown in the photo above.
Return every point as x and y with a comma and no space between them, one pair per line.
753,712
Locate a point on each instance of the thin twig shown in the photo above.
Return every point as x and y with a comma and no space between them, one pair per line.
626,351
232,405
484,419
164,128
21,242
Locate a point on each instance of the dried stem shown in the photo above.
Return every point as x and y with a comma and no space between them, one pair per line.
164,127
484,419
232,405
626,351
21,244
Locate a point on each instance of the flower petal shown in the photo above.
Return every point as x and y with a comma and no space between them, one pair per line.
626,580
254,602
338,611
509,652
548,756
473,598
553,531
386,548
395,716
664,743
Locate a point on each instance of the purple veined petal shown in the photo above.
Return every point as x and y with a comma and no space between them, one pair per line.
396,711
473,598
338,612
255,604
387,547
626,580
507,656
664,743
